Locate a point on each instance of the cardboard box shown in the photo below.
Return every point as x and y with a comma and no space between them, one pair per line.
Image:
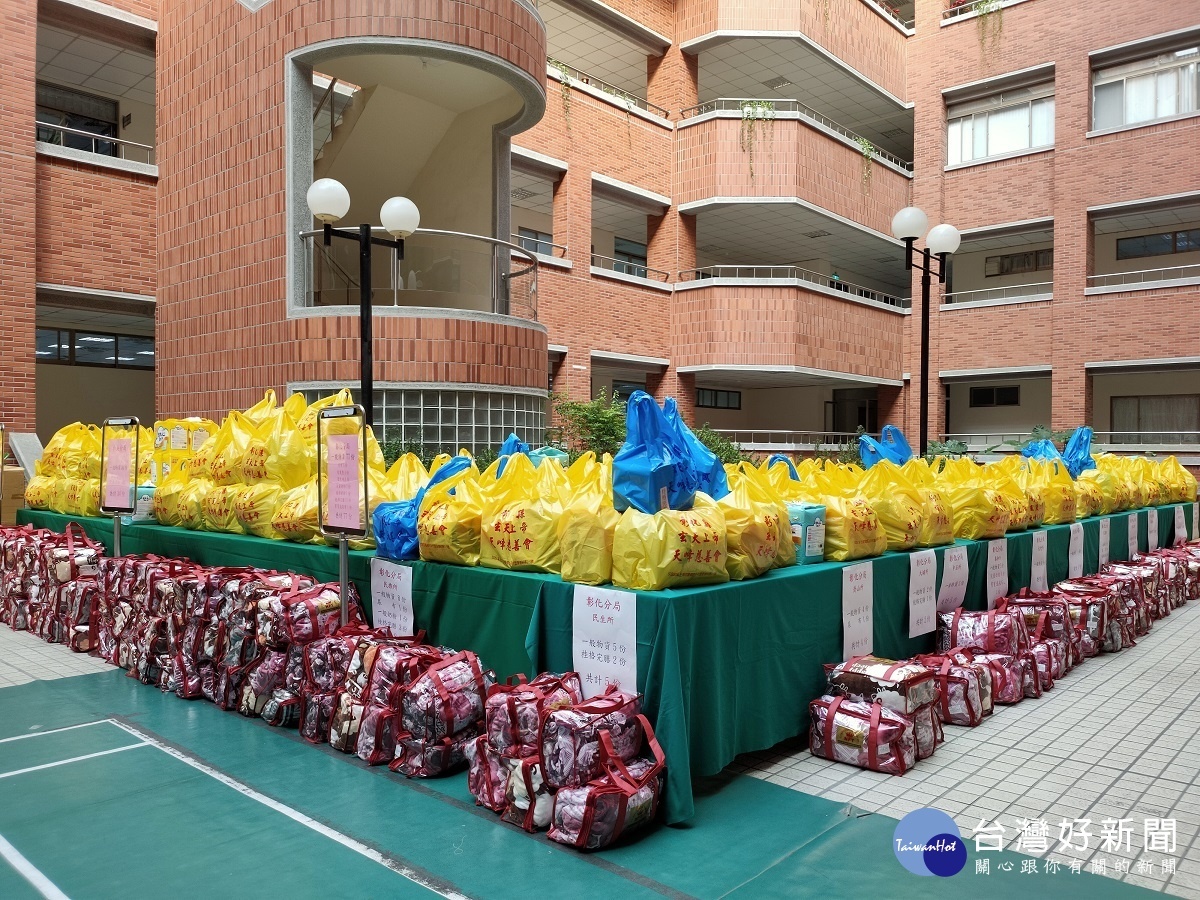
12,494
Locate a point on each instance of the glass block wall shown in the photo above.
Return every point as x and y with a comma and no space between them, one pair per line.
447,419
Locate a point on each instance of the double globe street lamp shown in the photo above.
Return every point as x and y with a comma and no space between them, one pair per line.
908,225
329,201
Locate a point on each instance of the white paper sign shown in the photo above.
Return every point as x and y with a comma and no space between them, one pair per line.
922,592
1195,521
1180,526
391,596
1075,552
604,635
997,570
1037,564
1131,525
1152,528
858,609
954,579
1105,540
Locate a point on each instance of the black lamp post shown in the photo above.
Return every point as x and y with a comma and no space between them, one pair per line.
329,200
908,225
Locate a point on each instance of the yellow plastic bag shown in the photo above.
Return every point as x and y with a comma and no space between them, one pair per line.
1013,496
1088,499
58,496
585,531
671,548
228,452
755,526
979,512
219,512
73,452
191,503
255,506
39,492
1183,482
937,524
166,499
1062,503
277,450
405,478
449,525
262,410
296,518
1113,494
852,529
901,510
308,421
520,517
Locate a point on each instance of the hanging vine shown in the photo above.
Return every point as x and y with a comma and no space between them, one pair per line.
827,11
990,22
564,90
868,161
758,117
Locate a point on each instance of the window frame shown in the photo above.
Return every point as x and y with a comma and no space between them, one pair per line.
72,339
1154,65
1139,398
733,398
995,390
1194,236
532,240
1042,261
958,114
627,262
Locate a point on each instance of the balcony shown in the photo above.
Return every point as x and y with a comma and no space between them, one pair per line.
961,10
50,134
441,270
777,441
750,276
1131,442
1016,293
632,272
603,90
1144,279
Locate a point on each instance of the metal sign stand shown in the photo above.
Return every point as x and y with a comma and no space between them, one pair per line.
118,511
341,531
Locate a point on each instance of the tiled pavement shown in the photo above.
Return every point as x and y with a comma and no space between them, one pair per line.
1116,739
25,658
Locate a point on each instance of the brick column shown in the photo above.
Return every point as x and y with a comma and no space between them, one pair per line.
18,211
672,384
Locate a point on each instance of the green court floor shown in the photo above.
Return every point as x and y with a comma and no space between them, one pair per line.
157,795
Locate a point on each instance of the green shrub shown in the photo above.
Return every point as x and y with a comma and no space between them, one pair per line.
726,450
597,425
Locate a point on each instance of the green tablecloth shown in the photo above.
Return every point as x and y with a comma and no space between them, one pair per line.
725,669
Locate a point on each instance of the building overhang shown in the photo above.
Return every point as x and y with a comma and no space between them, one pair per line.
746,376
1034,371
1119,366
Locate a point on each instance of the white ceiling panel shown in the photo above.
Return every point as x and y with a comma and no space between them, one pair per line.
623,221
788,234
71,60
591,48
532,193
1007,241
1149,219
740,68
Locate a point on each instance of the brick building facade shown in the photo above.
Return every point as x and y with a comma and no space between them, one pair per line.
707,186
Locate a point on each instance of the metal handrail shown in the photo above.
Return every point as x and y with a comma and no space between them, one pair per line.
1002,293
119,143
893,13
570,72
498,276
624,267
749,438
524,243
792,273
1100,439
1144,275
738,105
968,7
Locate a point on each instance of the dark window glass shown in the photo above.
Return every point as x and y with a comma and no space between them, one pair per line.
535,241
135,352
630,257
95,349
706,398
49,345
624,389
1008,396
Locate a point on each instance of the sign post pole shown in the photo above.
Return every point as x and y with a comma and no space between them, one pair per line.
118,472
342,462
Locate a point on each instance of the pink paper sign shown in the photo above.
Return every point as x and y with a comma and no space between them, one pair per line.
118,472
344,471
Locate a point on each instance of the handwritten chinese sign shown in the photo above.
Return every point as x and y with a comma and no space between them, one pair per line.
391,596
858,609
922,592
604,629
954,579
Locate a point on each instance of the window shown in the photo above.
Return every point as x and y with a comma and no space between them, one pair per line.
983,397
1160,244
1154,415
630,257
710,399
1001,125
1146,90
86,348
1019,263
623,390
535,241
80,112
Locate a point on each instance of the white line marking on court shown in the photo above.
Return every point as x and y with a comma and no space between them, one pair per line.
33,734
30,872
63,762
296,816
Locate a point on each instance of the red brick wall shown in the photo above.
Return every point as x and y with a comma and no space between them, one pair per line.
223,332
1079,173
791,159
18,210
95,227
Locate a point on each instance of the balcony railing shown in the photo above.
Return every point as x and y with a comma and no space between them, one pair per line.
1145,276
621,97
792,274
960,8
90,142
893,12
773,441
440,269
772,108
1011,292
624,267
1119,441
543,248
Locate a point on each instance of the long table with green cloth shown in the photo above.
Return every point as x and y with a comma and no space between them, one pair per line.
724,669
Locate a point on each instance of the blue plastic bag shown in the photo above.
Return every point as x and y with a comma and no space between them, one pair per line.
891,446
652,470
512,444
547,453
709,469
395,524
780,458
1077,454
1043,449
